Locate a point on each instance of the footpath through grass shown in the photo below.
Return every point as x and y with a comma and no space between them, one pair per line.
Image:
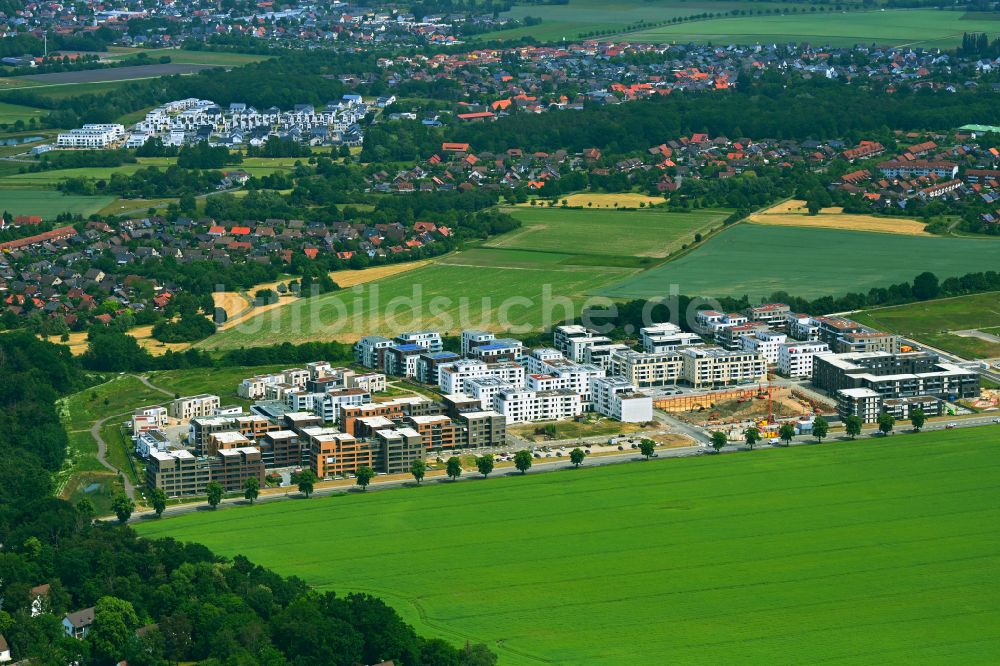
850,553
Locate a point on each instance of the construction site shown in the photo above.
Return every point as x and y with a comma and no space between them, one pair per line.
764,405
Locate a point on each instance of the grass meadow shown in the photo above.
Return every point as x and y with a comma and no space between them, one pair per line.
759,260
11,113
48,203
931,321
849,553
570,20
649,233
519,282
477,288
924,27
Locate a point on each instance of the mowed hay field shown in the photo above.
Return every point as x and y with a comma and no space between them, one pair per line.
648,233
793,213
923,27
759,260
867,552
931,321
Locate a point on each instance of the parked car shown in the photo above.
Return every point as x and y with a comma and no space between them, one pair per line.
951,426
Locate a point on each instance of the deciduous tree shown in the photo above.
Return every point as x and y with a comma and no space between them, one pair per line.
251,488
577,455
522,460
363,476
214,492
454,468
484,464
418,468
646,448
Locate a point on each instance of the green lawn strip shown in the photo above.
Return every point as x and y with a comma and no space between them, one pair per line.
864,552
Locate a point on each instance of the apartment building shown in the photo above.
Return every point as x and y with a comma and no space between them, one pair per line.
874,341
201,428
644,369
428,340
283,448
731,337
221,441
795,359
151,440
368,350
326,405
428,369
665,337
485,390
178,473
232,467
802,327
861,402
391,409
154,415
576,348
563,374
903,408
483,429
504,349
616,397
562,335
772,314
438,432
475,338
523,406
765,343
714,366
372,382
395,449
895,375
93,136
401,359
194,406
452,377
334,453
600,355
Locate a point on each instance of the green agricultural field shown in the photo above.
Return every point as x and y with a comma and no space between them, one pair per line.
850,553
578,17
649,233
759,260
931,322
481,288
61,90
186,57
49,203
11,113
927,28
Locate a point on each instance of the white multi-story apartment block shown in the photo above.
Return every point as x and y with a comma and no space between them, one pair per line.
429,340
616,397
373,382
149,441
562,335
537,361
96,136
522,406
367,350
600,355
795,359
712,366
647,368
474,338
665,337
486,390
802,327
576,348
452,376
154,413
194,406
765,343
